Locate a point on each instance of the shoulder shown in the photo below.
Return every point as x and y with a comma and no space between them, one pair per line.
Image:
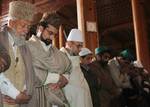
62,53
33,45
32,42
63,49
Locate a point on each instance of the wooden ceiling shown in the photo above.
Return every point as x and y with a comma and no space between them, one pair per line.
115,22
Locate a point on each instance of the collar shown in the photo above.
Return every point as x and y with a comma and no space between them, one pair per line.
46,47
11,40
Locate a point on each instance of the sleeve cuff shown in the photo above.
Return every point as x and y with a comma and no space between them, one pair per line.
13,92
7,88
52,78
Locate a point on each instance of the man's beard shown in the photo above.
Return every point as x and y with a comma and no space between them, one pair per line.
19,39
104,63
46,41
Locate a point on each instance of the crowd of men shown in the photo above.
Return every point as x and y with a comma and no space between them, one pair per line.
34,73
116,81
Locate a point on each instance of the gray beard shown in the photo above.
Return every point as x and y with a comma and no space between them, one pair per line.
19,40
72,53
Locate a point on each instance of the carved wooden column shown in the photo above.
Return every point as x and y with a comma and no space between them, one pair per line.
61,37
141,36
87,22
56,41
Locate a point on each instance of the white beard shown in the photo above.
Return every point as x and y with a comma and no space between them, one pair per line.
18,39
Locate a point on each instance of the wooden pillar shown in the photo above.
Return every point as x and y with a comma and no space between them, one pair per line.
87,22
61,37
56,41
141,35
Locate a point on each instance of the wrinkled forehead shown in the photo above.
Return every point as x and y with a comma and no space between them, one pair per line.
52,29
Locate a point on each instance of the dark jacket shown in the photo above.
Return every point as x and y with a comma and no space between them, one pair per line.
93,83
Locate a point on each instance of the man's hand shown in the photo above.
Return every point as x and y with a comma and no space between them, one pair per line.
60,84
62,81
22,98
53,86
8,100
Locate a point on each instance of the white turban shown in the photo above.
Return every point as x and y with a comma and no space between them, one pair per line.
75,35
84,52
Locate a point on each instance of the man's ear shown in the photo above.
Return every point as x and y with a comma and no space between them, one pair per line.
11,23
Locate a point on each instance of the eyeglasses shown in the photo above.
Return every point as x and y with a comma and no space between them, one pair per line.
50,32
23,24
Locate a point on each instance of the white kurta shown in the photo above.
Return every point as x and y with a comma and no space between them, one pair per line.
77,91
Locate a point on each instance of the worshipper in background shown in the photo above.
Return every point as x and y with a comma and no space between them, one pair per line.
143,72
144,80
119,67
99,51
20,72
107,90
138,94
86,57
77,91
51,66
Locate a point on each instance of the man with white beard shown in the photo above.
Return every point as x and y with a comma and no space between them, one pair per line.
20,79
77,91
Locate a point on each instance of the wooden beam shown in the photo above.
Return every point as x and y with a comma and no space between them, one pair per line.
118,28
141,34
86,9
61,37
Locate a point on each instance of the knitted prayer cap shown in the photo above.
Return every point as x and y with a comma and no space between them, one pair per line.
21,10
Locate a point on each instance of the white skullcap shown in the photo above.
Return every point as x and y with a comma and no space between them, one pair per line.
75,35
84,52
138,64
21,10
